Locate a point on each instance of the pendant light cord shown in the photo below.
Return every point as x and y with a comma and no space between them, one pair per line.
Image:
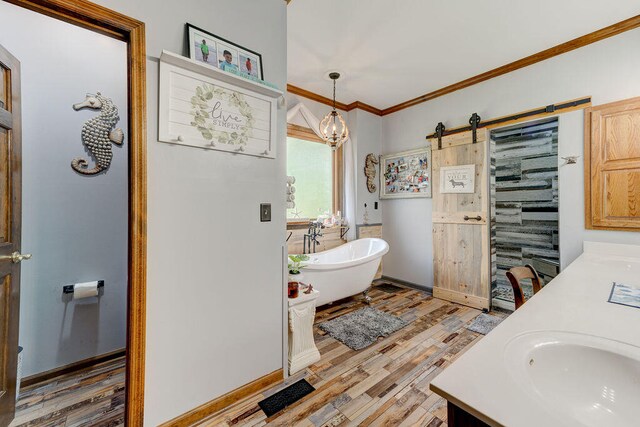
334,94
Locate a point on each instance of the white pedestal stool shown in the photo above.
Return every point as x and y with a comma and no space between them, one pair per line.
302,347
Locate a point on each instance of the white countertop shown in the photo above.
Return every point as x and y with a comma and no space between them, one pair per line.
303,298
575,301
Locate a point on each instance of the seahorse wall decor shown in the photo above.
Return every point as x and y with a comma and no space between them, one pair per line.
370,169
98,133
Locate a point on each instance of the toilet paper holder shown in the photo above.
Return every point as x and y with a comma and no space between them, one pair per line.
68,289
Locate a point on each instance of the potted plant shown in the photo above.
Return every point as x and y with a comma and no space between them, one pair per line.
296,264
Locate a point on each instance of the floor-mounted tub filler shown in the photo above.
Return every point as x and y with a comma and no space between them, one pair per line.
346,270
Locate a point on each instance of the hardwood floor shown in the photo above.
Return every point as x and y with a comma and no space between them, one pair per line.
386,384
94,397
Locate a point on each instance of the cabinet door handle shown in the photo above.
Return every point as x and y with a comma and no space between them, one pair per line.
477,218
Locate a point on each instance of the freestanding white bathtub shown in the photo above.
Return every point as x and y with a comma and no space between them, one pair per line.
346,270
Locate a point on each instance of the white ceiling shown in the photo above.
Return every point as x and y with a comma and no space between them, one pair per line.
390,51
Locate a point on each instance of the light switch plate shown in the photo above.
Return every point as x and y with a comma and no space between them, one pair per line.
265,212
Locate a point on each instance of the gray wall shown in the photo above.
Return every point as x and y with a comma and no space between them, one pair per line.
215,282
367,135
75,226
607,71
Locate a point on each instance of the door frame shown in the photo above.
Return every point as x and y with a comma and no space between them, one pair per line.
131,31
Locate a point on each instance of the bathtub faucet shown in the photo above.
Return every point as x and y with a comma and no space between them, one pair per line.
311,238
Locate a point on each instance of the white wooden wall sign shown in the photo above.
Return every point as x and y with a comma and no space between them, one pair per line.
457,179
210,109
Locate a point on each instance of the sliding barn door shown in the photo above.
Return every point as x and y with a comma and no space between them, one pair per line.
461,254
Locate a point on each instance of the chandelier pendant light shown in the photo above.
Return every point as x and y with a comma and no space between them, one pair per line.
333,128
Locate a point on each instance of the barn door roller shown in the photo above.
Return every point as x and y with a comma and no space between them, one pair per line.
439,132
474,121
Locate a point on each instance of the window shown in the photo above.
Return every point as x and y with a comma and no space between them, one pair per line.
317,173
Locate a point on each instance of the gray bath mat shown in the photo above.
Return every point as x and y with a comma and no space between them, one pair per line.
362,328
484,323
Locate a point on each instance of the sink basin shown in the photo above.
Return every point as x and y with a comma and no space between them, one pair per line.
584,380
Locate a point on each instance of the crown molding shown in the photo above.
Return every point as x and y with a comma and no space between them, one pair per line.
366,107
596,36
604,33
328,101
315,97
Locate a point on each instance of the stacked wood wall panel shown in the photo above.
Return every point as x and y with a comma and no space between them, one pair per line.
526,193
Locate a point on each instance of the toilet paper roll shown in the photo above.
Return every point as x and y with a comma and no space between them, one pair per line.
85,290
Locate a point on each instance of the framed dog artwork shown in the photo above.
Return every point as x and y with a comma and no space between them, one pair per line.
457,179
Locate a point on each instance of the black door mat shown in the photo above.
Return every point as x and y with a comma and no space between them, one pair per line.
388,288
285,397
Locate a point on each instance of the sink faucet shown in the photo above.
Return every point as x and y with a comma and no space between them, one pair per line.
311,238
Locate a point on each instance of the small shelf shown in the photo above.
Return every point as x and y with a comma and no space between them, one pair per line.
206,70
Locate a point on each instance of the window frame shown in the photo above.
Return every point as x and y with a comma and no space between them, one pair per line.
337,167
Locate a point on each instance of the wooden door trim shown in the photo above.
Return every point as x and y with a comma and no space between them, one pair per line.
588,219
6,119
113,24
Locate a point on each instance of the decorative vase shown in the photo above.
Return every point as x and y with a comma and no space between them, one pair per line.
294,284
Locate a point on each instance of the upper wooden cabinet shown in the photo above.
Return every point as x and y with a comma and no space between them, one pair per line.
612,166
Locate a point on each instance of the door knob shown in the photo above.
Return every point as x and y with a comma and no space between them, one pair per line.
15,257
477,218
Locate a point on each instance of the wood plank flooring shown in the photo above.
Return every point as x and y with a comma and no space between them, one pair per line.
386,384
94,397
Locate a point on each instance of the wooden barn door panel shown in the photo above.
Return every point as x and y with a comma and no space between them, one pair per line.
460,225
